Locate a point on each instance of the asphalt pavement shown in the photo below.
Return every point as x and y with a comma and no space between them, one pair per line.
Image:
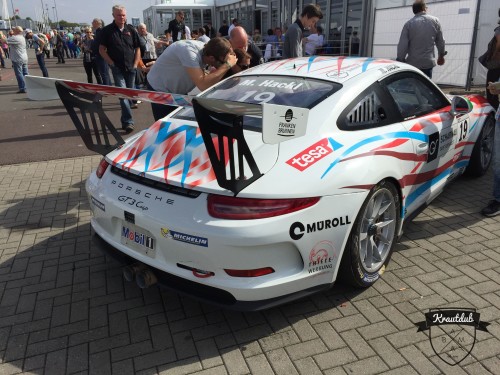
42,130
66,309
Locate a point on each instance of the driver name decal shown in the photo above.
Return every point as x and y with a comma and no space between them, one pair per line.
311,155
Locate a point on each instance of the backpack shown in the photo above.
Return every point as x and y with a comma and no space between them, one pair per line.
46,44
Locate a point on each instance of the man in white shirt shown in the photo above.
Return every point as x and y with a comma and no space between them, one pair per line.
314,41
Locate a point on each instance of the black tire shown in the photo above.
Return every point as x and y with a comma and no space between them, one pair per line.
372,231
482,153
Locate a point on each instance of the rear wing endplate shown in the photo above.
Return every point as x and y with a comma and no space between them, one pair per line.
221,126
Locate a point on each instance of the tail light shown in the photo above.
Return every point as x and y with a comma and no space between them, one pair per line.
224,207
103,165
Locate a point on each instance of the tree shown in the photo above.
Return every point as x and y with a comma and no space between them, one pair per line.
29,19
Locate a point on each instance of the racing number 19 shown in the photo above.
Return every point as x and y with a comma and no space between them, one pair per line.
464,127
263,97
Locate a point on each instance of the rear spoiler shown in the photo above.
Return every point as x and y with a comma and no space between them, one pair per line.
221,119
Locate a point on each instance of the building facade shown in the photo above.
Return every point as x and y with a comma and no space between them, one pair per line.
344,21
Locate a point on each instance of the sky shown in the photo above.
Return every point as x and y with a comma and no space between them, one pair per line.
77,10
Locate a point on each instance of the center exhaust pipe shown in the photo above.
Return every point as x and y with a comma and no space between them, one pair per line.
145,278
131,270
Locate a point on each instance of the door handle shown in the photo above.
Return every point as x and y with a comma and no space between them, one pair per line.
422,148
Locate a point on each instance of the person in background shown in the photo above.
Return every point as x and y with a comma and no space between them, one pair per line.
60,47
209,30
89,63
176,28
5,47
494,74
233,25
150,44
292,46
419,36
182,67
71,45
493,207
18,56
49,45
202,36
38,44
314,42
195,35
3,56
224,29
120,47
102,65
256,37
239,39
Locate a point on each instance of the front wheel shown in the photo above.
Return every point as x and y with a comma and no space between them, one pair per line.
482,154
372,237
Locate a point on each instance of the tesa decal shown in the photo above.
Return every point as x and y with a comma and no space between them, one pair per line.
310,155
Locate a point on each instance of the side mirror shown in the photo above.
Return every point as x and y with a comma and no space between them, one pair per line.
460,106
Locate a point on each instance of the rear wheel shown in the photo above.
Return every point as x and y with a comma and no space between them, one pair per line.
372,237
482,154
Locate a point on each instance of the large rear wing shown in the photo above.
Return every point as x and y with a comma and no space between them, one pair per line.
233,163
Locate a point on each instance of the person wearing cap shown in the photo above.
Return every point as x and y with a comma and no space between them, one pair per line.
18,56
39,44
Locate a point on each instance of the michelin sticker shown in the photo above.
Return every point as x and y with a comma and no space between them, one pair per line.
281,123
183,237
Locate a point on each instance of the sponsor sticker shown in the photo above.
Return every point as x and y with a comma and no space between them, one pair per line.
433,147
321,257
183,237
310,155
136,237
297,229
98,204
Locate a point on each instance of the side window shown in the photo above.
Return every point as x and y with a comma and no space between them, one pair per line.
414,96
369,110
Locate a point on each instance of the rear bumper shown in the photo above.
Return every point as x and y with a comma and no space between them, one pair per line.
206,293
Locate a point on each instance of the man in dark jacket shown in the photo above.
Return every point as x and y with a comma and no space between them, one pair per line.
120,47
176,28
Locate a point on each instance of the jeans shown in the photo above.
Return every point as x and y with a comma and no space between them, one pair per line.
103,68
496,160
20,70
159,110
40,58
90,66
124,78
493,75
60,55
427,72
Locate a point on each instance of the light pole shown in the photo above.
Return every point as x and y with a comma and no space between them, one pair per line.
57,17
13,12
54,11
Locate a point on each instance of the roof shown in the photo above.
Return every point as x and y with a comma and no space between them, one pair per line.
333,68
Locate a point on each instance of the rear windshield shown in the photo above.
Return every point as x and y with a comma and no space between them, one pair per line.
291,91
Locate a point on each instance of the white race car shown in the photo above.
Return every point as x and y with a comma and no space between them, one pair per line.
274,183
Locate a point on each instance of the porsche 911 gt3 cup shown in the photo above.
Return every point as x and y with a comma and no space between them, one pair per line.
278,181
